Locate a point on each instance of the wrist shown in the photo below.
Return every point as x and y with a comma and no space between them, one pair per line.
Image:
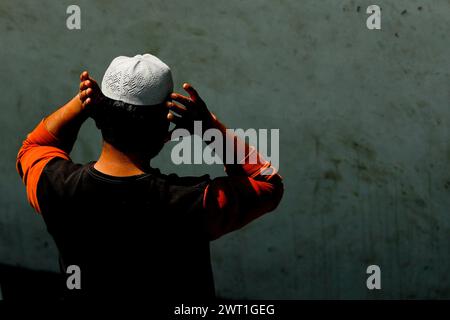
213,123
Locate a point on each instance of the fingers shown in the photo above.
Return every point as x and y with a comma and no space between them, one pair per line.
87,88
84,76
85,85
182,99
176,107
88,84
173,118
86,102
192,92
85,94
92,81
84,98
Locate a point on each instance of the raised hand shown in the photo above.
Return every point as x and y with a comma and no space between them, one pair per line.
189,109
90,92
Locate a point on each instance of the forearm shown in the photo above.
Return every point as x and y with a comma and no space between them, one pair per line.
252,187
234,201
66,122
239,157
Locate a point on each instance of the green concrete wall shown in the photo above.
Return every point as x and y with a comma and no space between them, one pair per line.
363,118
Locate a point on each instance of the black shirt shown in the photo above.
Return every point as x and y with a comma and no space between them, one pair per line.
132,237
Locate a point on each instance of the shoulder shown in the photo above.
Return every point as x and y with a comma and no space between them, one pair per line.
57,175
187,190
61,166
188,181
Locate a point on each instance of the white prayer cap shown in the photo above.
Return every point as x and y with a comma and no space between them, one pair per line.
140,80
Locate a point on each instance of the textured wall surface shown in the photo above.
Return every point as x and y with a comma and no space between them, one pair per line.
363,118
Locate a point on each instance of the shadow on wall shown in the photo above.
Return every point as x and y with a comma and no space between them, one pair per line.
24,284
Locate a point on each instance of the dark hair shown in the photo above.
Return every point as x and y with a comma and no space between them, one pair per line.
132,128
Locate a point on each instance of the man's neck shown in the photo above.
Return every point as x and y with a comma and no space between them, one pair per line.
119,164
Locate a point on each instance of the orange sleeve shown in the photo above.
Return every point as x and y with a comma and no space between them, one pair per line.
37,150
249,191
